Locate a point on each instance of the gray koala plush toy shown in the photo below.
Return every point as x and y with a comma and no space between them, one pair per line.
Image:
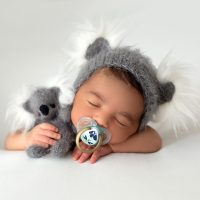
44,105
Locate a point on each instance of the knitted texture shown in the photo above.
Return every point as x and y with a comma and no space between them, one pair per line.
44,105
99,54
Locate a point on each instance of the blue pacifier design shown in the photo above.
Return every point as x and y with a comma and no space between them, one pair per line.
90,133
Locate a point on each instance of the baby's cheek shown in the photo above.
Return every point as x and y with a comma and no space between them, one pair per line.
118,137
78,112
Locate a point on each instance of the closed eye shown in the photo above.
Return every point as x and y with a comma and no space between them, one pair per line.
122,124
94,104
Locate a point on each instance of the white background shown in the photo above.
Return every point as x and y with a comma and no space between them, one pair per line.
32,36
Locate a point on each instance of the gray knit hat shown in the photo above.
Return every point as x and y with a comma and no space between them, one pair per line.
99,54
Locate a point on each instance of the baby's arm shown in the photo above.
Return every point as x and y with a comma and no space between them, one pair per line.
42,135
15,141
147,141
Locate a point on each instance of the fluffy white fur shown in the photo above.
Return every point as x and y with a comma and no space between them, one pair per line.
77,45
182,114
78,42
16,115
86,33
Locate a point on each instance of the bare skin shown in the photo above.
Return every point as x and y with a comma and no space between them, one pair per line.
42,134
114,105
117,107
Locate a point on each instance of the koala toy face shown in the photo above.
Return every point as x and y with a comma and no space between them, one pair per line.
44,103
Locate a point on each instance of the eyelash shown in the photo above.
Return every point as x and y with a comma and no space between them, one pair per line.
93,104
120,123
97,106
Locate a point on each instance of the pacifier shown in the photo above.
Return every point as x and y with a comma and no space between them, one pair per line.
91,134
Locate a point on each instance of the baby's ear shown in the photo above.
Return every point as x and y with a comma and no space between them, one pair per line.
100,44
27,106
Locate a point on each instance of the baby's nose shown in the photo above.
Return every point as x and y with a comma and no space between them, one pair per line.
102,119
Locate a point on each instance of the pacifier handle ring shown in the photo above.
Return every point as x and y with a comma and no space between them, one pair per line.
88,150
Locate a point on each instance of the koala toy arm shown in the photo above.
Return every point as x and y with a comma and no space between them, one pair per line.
66,142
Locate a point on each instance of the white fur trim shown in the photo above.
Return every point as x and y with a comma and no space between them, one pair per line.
16,116
78,42
86,33
182,114
64,81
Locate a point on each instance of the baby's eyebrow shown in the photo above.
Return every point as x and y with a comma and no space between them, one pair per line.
127,116
97,95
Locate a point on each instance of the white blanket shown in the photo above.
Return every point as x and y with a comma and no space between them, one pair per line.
171,173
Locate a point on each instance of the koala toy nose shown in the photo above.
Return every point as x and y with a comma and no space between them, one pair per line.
44,109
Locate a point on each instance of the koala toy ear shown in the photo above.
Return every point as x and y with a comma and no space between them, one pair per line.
55,90
100,44
27,106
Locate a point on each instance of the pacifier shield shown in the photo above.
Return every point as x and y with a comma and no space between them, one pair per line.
91,136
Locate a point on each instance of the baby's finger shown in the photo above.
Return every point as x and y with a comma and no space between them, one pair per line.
49,127
95,156
76,154
45,139
84,157
102,151
50,134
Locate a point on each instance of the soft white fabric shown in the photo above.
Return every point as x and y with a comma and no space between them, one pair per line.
171,173
32,36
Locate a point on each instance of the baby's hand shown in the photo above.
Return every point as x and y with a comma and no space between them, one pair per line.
43,135
93,157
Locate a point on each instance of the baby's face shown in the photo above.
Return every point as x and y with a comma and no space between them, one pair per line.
114,105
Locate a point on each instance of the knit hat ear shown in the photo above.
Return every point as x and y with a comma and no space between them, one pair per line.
166,91
99,45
